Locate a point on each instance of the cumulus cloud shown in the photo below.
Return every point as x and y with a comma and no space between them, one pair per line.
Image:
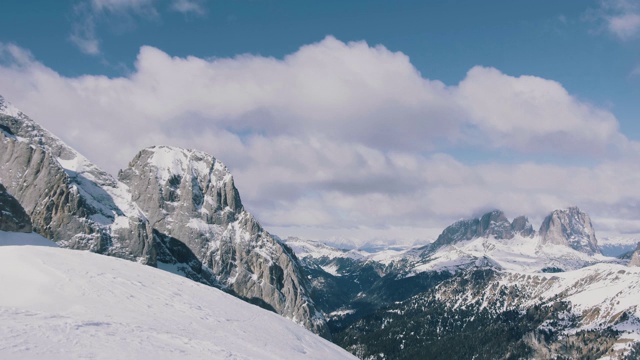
534,114
344,138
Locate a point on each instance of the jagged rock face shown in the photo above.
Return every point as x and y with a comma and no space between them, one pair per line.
495,224
191,196
521,225
193,224
69,200
12,215
570,227
492,224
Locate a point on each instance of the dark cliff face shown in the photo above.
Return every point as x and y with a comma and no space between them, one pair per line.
12,215
492,224
570,227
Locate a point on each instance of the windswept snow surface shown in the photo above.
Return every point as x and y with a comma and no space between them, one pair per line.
58,303
521,254
24,239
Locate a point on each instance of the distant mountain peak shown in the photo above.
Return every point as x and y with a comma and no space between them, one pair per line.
570,227
492,224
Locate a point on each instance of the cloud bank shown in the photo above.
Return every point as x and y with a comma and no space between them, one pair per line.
349,141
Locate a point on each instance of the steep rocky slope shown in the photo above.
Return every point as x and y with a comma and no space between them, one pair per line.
183,215
12,215
570,227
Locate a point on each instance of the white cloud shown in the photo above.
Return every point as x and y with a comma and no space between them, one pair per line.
625,26
534,114
621,17
344,138
121,15
188,7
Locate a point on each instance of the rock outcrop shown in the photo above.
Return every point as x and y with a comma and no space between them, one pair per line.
522,226
191,196
186,218
12,215
570,227
492,224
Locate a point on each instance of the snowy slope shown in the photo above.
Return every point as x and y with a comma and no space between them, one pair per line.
522,254
601,296
317,250
18,239
60,303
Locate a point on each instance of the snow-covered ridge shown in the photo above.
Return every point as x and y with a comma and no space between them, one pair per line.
523,254
317,250
6,108
600,296
172,161
59,303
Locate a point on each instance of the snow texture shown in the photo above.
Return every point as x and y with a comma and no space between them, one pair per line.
60,303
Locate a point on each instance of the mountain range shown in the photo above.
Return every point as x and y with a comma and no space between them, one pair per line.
486,288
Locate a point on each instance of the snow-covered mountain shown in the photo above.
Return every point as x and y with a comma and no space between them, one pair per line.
486,291
59,303
570,227
495,285
591,313
566,241
172,208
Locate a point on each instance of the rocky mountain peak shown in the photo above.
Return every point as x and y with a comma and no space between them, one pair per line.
522,226
570,227
492,224
174,209
169,181
496,224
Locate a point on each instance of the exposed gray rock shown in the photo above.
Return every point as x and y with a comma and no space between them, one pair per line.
190,195
492,224
495,224
192,223
521,225
570,227
12,215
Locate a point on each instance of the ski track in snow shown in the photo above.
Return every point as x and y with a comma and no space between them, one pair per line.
60,303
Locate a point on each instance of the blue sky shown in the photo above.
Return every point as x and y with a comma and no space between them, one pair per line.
586,54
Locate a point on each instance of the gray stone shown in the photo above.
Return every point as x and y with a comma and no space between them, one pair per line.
192,223
521,226
12,216
570,227
492,224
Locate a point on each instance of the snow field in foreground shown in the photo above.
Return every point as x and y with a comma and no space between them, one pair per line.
59,303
